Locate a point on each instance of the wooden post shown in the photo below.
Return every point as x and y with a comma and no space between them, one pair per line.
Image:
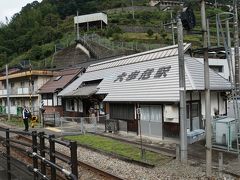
8,155
74,161
52,156
35,149
42,151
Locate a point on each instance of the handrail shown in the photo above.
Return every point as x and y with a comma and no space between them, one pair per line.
61,169
36,150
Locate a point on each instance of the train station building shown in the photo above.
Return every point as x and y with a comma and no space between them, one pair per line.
141,91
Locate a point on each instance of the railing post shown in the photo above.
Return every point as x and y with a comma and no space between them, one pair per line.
95,124
52,156
105,123
42,152
81,119
34,149
43,121
8,155
74,161
54,117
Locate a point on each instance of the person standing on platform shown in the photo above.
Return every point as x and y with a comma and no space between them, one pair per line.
26,116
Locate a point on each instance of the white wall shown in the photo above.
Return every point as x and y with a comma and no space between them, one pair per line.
214,104
219,62
171,111
54,99
40,81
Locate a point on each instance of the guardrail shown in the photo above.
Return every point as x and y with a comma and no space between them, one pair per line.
38,151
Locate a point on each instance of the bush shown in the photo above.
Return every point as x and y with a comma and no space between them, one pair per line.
35,53
112,30
150,32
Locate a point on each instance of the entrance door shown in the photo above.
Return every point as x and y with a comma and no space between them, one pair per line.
193,115
151,120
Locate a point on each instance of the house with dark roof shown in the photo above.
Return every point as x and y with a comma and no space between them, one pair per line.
141,91
49,92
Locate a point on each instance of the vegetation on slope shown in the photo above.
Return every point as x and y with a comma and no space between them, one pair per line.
33,33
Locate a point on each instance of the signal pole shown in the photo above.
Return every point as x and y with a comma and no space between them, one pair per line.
78,35
208,128
8,93
133,13
236,46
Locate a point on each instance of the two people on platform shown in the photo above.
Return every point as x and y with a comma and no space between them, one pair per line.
26,115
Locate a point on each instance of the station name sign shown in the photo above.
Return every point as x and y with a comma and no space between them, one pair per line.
161,72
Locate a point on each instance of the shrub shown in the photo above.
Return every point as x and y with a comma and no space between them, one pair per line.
150,32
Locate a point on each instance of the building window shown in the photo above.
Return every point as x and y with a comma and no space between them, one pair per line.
188,111
13,103
80,106
4,85
22,84
195,110
12,85
70,104
218,69
59,101
122,111
47,99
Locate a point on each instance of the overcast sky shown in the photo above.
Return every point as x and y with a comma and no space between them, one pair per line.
10,7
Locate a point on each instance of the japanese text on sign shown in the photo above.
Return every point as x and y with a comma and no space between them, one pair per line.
161,72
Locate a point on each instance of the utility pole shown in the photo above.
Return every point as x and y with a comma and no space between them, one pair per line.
208,128
77,28
173,37
208,34
218,34
182,89
228,35
31,87
133,13
8,99
236,46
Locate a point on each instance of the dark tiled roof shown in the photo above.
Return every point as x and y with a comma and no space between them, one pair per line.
57,83
84,91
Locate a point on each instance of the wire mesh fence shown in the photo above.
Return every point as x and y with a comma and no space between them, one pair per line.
120,45
77,125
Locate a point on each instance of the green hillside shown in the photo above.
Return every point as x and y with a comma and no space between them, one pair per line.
35,32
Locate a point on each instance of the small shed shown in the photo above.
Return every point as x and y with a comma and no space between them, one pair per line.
225,132
95,19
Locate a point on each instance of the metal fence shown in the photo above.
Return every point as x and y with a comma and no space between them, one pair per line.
44,164
77,125
120,45
51,119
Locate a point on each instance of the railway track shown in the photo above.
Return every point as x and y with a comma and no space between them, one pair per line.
172,153
84,168
88,171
